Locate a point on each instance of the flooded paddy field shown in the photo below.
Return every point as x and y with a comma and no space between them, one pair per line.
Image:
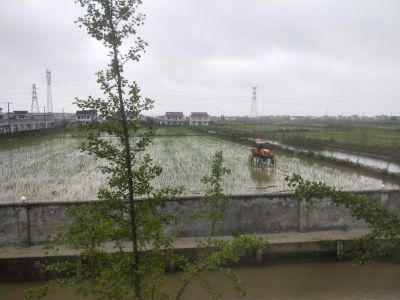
189,157
55,170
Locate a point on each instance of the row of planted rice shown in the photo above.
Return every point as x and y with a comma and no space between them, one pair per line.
51,170
186,159
55,170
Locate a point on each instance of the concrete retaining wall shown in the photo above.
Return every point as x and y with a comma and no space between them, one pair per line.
30,224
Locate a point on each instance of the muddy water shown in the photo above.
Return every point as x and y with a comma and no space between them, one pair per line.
320,280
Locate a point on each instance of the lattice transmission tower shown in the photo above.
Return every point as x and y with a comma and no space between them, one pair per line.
35,105
49,96
253,111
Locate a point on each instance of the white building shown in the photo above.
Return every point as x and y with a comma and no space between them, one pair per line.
172,118
20,115
63,117
86,116
22,120
199,119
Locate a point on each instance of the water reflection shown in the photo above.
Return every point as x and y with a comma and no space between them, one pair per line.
363,160
262,176
355,158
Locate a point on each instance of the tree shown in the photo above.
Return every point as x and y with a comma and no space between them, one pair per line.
382,243
214,207
121,239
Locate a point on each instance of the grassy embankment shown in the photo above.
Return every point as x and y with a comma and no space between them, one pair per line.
177,131
374,139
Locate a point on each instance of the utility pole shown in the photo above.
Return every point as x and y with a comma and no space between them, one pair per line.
253,111
49,96
44,114
8,117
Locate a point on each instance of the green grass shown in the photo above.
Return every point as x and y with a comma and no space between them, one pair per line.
175,131
385,136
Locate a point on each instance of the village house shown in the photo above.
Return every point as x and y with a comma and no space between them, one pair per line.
86,116
20,115
172,118
199,119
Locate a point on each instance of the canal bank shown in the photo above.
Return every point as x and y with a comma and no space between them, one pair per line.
295,230
20,263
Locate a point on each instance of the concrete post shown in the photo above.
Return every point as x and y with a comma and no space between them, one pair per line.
23,226
303,216
384,198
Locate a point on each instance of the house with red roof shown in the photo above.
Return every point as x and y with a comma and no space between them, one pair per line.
172,118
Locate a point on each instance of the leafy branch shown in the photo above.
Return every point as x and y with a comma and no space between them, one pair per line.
382,243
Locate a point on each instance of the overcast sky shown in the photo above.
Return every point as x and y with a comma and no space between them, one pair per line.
305,57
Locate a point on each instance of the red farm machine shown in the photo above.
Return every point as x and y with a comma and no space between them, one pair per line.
260,155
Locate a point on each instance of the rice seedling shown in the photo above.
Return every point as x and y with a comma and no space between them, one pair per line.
55,170
52,170
186,159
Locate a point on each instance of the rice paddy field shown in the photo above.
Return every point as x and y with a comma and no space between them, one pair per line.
53,169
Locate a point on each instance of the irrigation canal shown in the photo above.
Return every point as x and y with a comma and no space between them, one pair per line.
355,158
363,160
300,281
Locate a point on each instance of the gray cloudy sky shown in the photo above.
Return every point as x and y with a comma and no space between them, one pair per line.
306,57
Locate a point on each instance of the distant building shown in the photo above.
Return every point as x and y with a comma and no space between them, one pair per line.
199,119
172,118
3,125
161,120
86,116
63,116
144,119
20,115
130,116
22,120
41,116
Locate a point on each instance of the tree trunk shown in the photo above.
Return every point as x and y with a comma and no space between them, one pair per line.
128,160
